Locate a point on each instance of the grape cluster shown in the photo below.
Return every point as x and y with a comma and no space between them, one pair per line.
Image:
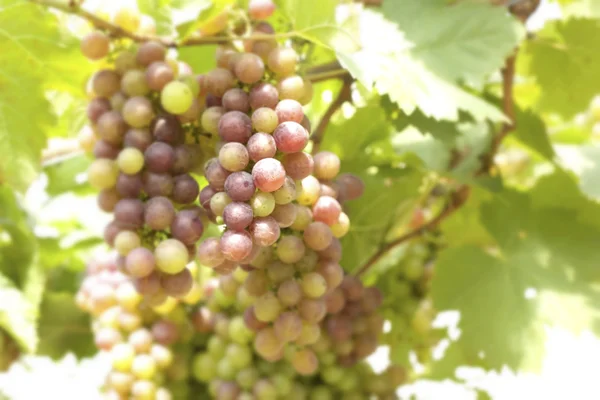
144,115
279,205
232,369
140,340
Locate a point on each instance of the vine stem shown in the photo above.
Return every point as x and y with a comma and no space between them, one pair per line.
116,31
457,199
319,132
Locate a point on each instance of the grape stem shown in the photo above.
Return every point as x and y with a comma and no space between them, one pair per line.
457,199
73,7
344,95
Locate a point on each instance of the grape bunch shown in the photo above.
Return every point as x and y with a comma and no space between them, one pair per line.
280,206
144,117
139,340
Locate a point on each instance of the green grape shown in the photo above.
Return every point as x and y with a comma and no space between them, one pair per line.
192,83
290,249
127,18
203,367
313,285
130,160
216,347
239,356
282,383
176,97
262,203
103,174
122,356
239,332
247,377
342,226
332,375
143,390
143,366
267,307
225,369
171,256
321,392
265,390
218,203
264,120
162,355
125,241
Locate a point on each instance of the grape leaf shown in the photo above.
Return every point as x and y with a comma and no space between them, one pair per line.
17,315
36,55
160,11
390,66
582,160
308,13
563,59
65,175
500,318
531,131
465,41
63,327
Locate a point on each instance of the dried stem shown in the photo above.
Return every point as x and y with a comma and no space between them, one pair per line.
319,132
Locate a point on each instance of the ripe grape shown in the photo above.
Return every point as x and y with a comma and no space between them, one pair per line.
351,187
105,83
249,68
159,157
240,186
96,108
158,184
265,231
107,199
125,241
285,214
263,95
291,87
235,126
95,45
111,127
327,210
158,74
261,9
137,138
150,52
129,213
268,174
187,227
305,362
179,284
237,216
167,128
185,189
290,137
219,81
267,344
260,146
236,100
298,165
288,326
210,253
289,110
236,246
159,213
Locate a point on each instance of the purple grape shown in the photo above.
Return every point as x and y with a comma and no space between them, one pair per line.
129,213
159,213
261,145
158,184
236,246
236,100
264,95
159,157
129,186
237,216
265,231
235,126
138,138
167,128
239,186
185,189
187,227
215,174
290,137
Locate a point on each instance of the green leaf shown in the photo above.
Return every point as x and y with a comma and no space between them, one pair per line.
531,131
18,315
507,295
160,11
564,59
583,161
392,69
308,13
36,55
464,41
200,58
65,175
189,15
64,328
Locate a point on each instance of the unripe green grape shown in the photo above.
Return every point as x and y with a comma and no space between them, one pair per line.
125,241
265,120
262,204
247,377
122,355
171,256
210,119
103,174
282,383
125,61
303,218
127,296
216,347
342,226
305,362
176,97
313,285
267,307
218,203
291,87
290,249
309,334
203,367
238,331
134,83
265,390
225,369
143,390
239,356
317,236
127,18
120,381
162,355
282,61
192,83
143,366
309,190
267,344
130,160
286,193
